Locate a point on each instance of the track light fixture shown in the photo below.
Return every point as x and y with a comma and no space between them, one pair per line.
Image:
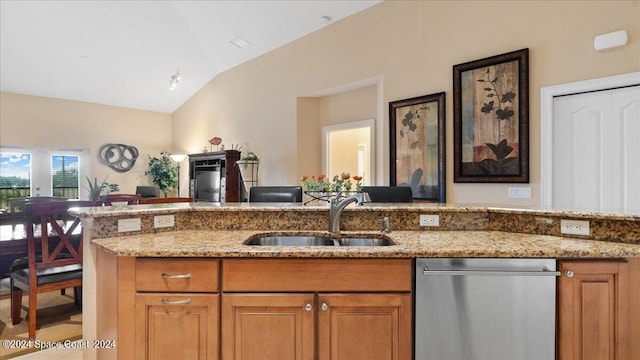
175,79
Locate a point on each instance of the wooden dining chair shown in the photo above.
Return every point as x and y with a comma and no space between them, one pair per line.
130,199
164,200
17,205
54,256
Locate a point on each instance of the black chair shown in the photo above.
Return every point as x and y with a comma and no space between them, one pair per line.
389,194
54,256
148,191
275,194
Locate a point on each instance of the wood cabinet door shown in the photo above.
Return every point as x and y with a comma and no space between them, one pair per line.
177,326
364,326
268,326
593,310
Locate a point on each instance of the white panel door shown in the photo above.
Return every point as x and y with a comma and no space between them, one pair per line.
596,151
629,116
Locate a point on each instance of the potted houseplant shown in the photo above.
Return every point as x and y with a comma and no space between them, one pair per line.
163,173
95,189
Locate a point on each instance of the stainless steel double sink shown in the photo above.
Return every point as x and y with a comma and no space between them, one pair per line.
318,240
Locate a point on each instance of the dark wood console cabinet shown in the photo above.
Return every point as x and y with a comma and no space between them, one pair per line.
213,176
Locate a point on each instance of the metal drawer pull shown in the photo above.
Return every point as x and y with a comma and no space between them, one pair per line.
177,276
569,273
169,302
324,307
308,307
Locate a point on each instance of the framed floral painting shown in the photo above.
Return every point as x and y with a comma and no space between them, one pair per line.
417,145
491,119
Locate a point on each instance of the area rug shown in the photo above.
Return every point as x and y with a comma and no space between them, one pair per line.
58,320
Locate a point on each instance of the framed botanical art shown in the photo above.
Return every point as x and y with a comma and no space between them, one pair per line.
417,145
491,119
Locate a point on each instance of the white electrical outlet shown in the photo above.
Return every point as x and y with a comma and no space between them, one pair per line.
520,193
129,225
429,220
160,221
574,227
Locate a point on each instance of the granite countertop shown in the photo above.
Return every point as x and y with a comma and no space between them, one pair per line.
409,244
127,210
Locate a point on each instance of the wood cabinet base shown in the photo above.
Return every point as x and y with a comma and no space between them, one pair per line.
177,326
594,310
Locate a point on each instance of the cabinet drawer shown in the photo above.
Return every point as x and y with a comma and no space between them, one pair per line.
276,275
177,274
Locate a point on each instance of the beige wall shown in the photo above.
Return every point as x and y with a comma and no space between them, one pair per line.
309,159
348,106
61,124
411,46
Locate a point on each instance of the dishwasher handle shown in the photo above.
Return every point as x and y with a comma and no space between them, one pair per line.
542,272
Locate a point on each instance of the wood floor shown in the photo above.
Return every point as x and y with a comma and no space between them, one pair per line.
58,319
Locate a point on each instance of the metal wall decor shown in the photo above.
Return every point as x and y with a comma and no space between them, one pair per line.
119,157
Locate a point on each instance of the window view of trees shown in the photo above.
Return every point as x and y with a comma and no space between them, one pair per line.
64,176
15,176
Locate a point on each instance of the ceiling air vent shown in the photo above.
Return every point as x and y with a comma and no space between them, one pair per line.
239,42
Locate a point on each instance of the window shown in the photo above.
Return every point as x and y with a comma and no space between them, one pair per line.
42,172
15,176
64,176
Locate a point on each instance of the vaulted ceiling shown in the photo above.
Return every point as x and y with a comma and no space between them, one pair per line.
123,53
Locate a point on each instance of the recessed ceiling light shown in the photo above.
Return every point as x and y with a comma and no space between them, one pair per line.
239,42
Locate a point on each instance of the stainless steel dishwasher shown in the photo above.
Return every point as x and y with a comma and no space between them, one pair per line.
485,309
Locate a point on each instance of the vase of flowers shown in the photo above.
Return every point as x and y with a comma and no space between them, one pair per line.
319,188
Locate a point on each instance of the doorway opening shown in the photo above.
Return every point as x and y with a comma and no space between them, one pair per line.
347,148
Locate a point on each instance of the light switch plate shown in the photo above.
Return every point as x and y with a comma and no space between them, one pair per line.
574,227
125,225
519,193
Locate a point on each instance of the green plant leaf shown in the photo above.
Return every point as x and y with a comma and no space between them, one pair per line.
95,189
162,172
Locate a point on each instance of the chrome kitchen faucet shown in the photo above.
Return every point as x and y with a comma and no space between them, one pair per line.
336,206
